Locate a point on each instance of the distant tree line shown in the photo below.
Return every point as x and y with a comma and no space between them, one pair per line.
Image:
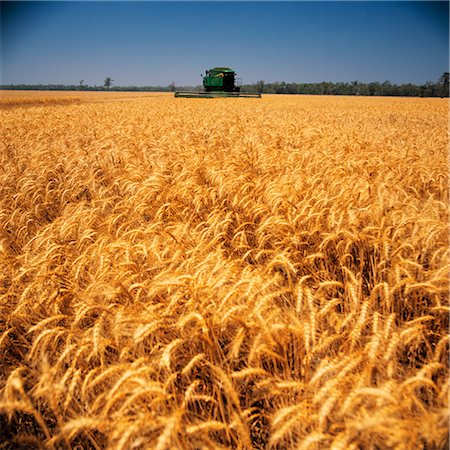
429,89
85,87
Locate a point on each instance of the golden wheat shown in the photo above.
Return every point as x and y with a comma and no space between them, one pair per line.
223,273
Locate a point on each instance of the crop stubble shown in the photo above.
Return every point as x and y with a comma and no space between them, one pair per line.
238,273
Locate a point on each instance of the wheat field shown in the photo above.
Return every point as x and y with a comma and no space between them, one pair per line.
223,273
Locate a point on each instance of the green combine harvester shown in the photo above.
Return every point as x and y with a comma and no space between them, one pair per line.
219,82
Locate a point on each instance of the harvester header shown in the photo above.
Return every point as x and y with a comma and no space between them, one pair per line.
219,82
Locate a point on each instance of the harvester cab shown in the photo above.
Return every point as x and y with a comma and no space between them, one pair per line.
219,82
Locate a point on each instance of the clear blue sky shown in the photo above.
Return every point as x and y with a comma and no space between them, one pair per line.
155,43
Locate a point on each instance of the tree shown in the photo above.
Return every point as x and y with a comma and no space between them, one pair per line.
430,89
386,88
81,85
108,82
374,88
172,87
260,86
443,87
280,87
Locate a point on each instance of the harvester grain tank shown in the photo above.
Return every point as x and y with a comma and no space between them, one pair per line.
219,82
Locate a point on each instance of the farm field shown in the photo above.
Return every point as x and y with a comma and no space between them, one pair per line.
14,99
223,273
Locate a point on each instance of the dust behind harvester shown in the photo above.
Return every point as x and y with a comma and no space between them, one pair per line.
219,82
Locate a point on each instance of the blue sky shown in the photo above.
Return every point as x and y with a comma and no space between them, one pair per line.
155,43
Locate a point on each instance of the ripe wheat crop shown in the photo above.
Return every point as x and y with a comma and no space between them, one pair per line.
224,273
